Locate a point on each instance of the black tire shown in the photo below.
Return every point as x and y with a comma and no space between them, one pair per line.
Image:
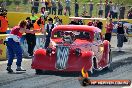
38,71
94,64
94,68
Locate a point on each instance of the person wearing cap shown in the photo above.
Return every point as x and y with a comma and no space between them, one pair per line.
48,29
120,35
109,28
3,21
13,45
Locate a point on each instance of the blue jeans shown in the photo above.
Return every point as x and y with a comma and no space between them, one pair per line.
14,48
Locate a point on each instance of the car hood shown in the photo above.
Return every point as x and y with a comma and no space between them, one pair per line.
84,45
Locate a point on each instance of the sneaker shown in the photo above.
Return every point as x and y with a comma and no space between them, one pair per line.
30,56
20,69
9,69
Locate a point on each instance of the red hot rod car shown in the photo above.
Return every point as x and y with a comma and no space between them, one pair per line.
73,47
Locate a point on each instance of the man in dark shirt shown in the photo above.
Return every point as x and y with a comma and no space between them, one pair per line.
31,38
76,8
122,11
99,24
107,9
35,5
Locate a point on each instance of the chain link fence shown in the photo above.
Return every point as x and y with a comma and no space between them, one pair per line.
26,6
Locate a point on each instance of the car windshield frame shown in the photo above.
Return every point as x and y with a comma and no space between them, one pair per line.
83,35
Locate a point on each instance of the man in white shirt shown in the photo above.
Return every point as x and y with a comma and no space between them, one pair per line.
48,29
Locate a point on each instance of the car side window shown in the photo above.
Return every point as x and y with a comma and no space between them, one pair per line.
97,37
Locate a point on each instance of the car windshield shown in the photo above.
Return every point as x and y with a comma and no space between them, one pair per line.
72,34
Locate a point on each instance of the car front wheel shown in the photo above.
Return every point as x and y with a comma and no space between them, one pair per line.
38,71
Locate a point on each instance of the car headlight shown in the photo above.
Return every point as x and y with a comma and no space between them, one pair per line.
48,51
77,51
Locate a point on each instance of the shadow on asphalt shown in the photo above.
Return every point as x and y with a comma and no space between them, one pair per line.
62,74
17,72
117,53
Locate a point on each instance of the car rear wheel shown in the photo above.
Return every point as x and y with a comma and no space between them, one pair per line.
94,68
38,71
110,60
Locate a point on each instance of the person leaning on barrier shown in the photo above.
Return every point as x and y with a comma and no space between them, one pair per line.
30,37
3,21
40,22
13,45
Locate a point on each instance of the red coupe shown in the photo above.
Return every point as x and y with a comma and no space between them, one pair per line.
73,47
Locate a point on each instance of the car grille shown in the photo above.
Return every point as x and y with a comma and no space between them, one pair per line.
62,57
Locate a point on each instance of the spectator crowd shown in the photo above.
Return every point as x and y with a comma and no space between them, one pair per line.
104,9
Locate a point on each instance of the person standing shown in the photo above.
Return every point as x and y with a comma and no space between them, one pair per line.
47,30
122,11
111,10
109,28
49,6
90,8
60,7
35,5
43,4
30,37
115,11
68,3
54,7
13,45
3,21
100,9
107,9
76,8
120,35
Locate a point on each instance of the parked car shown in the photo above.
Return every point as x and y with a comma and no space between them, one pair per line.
73,47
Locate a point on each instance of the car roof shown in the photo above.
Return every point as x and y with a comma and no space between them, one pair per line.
76,28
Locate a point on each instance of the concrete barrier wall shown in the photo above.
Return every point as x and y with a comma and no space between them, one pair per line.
2,47
15,17
40,42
